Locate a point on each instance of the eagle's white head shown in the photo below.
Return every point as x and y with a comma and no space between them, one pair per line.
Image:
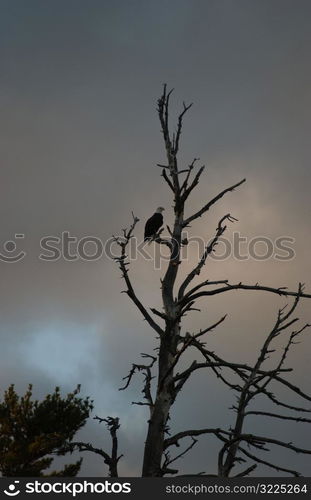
159,210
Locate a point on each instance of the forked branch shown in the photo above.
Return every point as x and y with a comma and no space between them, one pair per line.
122,242
257,383
111,459
208,205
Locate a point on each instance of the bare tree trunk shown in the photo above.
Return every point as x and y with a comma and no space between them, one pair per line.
157,424
165,396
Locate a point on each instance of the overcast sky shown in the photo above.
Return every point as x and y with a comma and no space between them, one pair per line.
79,143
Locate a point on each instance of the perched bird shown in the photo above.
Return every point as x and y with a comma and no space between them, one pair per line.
153,224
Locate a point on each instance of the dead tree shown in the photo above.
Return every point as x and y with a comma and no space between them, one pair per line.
112,459
173,342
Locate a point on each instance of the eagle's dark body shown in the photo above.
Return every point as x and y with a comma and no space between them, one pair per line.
153,225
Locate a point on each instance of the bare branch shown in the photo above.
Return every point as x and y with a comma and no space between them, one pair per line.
174,440
179,126
168,460
162,241
187,341
146,369
208,250
194,183
123,243
282,291
276,415
158,313
211,203
214,361
163,104
201,285
88,447
190,168
110,460
268,464
210,328
247,471
253,439
259,380
164,175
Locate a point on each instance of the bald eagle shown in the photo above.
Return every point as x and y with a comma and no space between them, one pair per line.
153,224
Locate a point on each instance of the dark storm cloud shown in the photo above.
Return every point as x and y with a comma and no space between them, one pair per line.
79,141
